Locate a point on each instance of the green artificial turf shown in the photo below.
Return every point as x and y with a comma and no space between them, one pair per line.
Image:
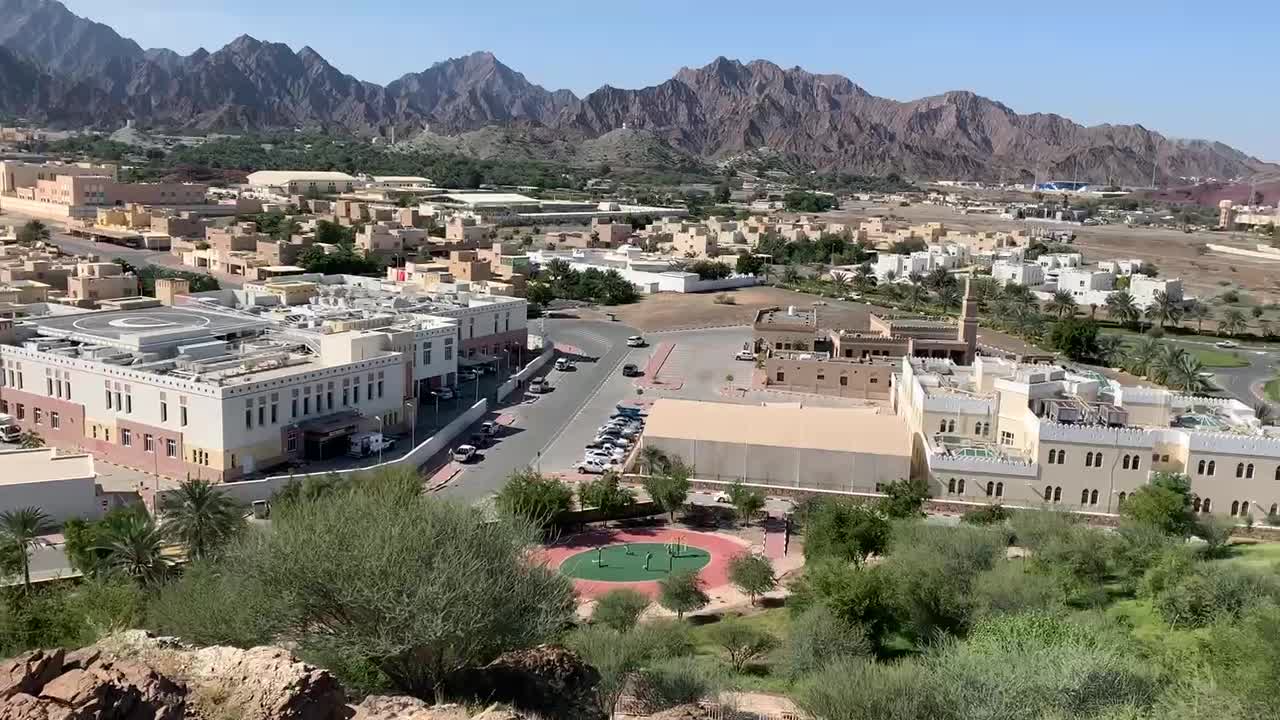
620,566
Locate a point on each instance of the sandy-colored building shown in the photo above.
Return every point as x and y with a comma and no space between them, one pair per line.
64,486
15,174
832,449
1032,435
460,229
97,281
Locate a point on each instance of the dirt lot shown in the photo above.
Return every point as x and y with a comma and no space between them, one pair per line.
676,311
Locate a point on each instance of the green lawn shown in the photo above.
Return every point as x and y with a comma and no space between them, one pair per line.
766,677
1210,357
626,563
1272,390
1257,555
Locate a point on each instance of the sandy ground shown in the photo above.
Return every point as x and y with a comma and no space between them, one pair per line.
676,311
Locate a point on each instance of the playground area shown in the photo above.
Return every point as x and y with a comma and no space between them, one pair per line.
602,560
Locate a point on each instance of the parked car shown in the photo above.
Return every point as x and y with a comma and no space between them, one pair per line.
636,341
1227,344
594,467
464,453
745,355
537,386
630,370
479,440
605,456
467,374
723,497
490,428
562,364
629,411
444,393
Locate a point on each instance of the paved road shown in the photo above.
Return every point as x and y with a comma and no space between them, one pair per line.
539,420
107,251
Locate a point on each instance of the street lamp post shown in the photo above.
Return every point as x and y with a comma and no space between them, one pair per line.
413,421
382,440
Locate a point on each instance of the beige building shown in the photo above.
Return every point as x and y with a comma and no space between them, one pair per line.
96,191
1031,435
64,487
466,230
832,449
16,174
97,281
300,182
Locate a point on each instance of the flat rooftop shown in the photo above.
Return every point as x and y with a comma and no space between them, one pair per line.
851,430
145,328
43,465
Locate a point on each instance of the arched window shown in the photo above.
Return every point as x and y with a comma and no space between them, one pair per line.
1195,504
1053,455
1278,472
1274,508
942,426
1084,497
1088,459
990,488
1248,471
1213,467
1200,468
1239,470
1124,462
951,486
1123,496
1048,493
1136,458
1206,507
999,489
1093,498
1244,508
960,486
1097,460
1057,494
1062,456
1235,508
951,426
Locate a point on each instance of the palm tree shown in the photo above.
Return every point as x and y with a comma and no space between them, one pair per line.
201,517
1185,374
1121,307
1199,312
890,276
1062,305
916,296
1110,349
22,528
938,279
30,439
790,275
839,282
864,277
652,459
1233,322
985,290
1143,355
137,549
1163,309
949,296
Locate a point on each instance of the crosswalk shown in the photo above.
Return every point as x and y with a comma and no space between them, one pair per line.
590,342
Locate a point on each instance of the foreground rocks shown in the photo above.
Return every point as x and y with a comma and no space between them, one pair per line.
136,676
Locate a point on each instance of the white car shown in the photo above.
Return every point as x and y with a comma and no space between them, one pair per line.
604,456
562,364
745,355
537,386
723,497
444,393
635,341
464,453
591,466
1226,344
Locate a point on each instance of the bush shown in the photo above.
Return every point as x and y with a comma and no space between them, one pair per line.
1009,588
742,642
986,515
620,609
675,681
667,638
1216,532
752,574
1213,592
844,530
818,638
860,596
931,569
534,497
682,592
857,689
724,299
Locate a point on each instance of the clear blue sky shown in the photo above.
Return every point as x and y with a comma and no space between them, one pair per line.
1170,65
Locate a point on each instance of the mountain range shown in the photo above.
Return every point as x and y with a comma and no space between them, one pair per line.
64,70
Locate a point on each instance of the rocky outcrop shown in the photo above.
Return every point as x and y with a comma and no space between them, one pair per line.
134,675
549,680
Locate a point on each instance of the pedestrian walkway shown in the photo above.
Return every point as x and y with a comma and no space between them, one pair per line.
775,538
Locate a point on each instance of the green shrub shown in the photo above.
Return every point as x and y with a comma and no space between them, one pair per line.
818,638
1010,588
620,609
986,515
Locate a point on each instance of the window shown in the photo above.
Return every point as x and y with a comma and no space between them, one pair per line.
380,391
1124,462
1272,511
1124,495
171,448
1212,467
942,426
182,416
426,353
1097,460
1235,508
1239,470
1164,458
164,411
960,487
109,405
248,418
1048,494
1206,507
1053,457
274,409
1136,460
126,437
293,408
1244,508
36,413
1200,468
1248,471
1088,459
148,443
1006,438
128,403
1155,457
1084,497
306,405
55,421
991,487
844,381
1093,498
291,444
999,489
1057,494
951,486
781,376
875,381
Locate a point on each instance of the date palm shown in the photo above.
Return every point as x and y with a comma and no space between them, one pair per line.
949,296
1185,373
1110,349
1062,305
1164,309
1199,312
1143,355
21,528
916,296
1233,322
136,548
201,517
790,275
1121,307
839,282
